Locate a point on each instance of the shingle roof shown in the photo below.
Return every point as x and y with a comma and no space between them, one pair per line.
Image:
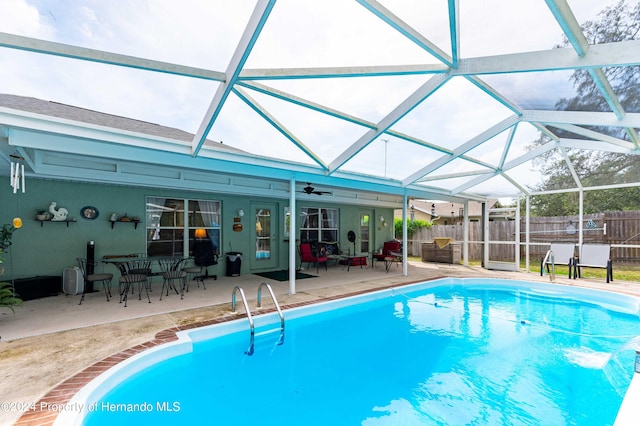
69,112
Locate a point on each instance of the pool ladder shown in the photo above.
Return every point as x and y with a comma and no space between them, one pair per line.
238,289
552,272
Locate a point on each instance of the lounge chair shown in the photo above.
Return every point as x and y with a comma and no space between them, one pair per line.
563,254
594,256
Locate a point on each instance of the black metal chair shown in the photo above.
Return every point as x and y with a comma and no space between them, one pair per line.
133,272
194,273
105,278
199,271
172,273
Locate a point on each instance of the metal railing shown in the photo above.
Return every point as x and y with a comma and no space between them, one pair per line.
246,307
549,258
237,289
275,302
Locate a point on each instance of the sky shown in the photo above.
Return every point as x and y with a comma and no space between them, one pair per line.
204,33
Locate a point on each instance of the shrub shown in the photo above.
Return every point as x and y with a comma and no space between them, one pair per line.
412,226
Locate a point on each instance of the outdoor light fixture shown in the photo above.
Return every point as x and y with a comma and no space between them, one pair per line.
240,212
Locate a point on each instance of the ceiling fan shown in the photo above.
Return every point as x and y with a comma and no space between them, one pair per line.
311,190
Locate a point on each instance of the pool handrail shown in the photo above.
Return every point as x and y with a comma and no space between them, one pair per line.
246,308
550,258
275,302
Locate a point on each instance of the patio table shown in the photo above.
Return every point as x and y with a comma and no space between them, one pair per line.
354,260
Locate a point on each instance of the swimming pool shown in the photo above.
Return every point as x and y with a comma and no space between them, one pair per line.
454,351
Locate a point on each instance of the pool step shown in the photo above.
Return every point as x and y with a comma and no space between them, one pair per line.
267,332
267,341
618,375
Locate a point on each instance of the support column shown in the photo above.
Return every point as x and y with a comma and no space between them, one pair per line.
405,235
465,237
580,222
517,244
292,236
527,227
485,234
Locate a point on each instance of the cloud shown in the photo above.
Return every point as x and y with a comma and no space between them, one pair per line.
22,18
205,33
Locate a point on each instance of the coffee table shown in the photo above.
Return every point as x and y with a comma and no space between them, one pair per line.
355,260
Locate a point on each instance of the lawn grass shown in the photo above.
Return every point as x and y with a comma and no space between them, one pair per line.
620,273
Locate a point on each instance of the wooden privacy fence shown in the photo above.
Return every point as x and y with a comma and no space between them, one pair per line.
622,233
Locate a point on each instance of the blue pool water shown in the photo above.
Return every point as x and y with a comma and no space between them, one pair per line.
452,352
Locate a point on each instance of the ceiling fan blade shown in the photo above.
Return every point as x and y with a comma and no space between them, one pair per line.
311,190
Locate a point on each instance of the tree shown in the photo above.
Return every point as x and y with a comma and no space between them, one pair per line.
616,23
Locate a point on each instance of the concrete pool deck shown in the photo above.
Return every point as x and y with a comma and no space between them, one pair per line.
50,340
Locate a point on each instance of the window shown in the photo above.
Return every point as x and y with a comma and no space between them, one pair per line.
167,227
318,224
287,222
263,234
364,233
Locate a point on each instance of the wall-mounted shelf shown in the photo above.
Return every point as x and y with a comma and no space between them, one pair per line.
135,222
42,222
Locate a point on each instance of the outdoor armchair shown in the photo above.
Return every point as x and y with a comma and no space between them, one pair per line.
558,254
594,256
389,248
312,253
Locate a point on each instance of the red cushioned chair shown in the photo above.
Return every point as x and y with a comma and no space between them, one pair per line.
308,255
387,248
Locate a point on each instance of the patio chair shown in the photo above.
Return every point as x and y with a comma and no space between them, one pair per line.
309,254
594,256
204,256
563,254
172,273
388,248
132,272
105,278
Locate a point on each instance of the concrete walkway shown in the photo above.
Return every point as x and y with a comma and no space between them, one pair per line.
49,340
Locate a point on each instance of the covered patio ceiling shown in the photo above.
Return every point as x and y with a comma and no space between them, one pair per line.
435,100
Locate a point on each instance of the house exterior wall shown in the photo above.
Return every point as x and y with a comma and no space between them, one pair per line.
46,250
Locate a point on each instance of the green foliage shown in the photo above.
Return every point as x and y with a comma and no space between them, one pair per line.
617,23
412,226
5,236
8,296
